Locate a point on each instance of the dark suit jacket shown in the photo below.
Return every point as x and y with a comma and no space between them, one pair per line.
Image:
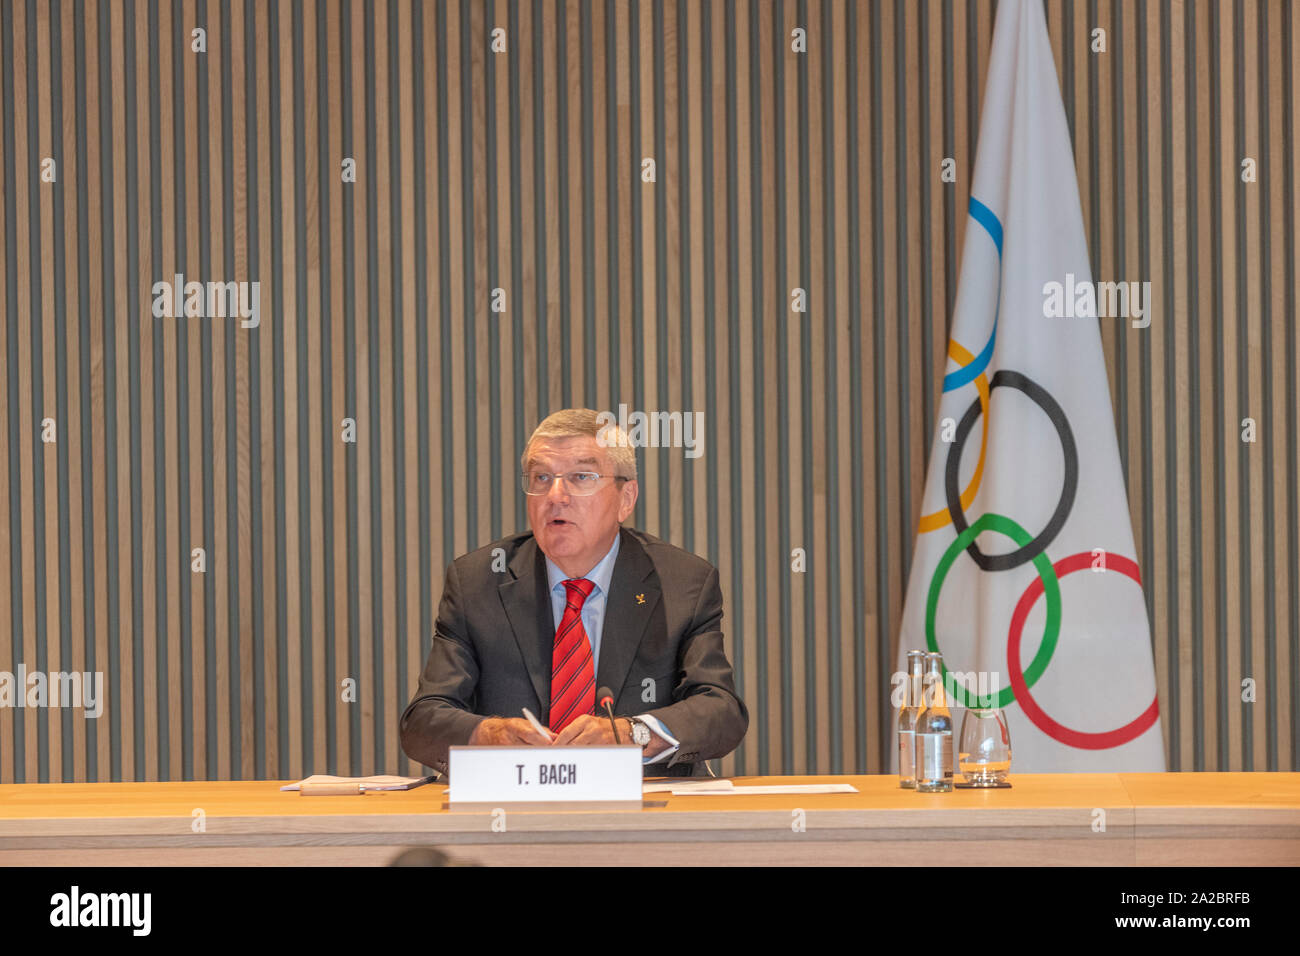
660,652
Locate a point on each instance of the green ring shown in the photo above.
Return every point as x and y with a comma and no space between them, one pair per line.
1051,588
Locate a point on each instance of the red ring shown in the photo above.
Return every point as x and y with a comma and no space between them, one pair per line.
1074,738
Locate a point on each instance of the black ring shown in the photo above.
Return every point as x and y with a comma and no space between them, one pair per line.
1040,396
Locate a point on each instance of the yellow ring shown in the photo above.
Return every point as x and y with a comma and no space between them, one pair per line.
942,517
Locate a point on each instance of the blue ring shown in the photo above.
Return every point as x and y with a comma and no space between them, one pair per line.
984,216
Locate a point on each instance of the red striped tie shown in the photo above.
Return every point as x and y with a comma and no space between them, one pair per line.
573,678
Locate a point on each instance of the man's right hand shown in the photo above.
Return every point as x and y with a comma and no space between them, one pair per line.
507,732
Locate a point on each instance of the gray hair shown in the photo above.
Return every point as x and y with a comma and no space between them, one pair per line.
579,422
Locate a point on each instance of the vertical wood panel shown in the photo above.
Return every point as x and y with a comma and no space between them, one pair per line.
1283,707
273,724
1291,209
218,494
837,668
47,639
71,542
8,294
121,667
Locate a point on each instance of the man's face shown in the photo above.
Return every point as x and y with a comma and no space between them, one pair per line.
575,531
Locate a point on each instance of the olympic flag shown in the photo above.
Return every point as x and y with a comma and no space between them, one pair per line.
1024,573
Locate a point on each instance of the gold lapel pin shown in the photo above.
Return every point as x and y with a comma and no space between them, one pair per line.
640,599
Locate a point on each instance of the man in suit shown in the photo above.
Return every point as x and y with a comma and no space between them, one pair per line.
542,619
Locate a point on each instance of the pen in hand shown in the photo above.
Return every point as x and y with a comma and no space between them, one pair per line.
537,725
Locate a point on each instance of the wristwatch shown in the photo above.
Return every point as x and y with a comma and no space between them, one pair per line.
640,732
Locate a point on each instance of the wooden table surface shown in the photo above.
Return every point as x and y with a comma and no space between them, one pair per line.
1073,819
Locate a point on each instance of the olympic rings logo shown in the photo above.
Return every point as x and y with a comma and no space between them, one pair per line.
1030,548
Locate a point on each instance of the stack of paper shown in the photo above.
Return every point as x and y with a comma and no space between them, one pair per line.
323,783
723,787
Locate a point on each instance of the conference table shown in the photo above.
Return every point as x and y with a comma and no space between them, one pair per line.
1111,819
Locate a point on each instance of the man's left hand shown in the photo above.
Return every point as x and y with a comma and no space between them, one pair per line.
591,731
588,730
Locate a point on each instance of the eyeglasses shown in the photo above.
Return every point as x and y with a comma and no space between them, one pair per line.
579,483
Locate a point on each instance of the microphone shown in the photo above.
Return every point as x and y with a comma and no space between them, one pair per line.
604,698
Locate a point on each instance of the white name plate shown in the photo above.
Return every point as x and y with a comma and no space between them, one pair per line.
497,775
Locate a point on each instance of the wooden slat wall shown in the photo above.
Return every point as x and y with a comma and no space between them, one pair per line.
522,171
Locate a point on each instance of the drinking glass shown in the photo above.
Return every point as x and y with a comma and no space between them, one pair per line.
984,754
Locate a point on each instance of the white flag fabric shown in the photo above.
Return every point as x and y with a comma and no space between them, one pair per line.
1024,574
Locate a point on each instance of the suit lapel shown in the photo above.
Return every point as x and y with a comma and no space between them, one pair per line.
628,606
527,602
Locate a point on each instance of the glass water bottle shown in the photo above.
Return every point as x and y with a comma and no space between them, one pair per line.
934,732
908,714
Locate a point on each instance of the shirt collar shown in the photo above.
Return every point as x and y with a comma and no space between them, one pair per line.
600,575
